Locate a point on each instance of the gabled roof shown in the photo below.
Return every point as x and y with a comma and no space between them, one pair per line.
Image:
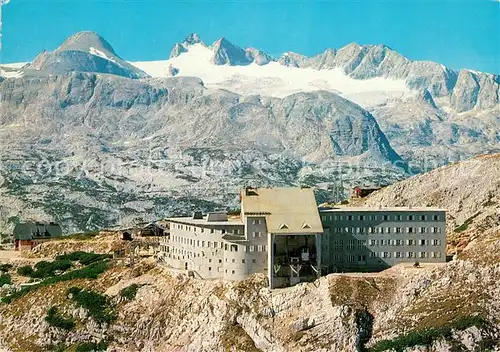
287,210
36,230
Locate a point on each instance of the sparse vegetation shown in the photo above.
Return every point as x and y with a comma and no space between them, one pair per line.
26,270
91,347
48,269
91,271
5,268
426,337
56,320
5,279
129,292
44,269
466,223
84,258
97,305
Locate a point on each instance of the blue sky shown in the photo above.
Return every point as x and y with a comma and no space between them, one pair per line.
459,34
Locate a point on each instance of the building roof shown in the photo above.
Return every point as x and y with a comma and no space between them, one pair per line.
204,223
382,209
287,210
36,230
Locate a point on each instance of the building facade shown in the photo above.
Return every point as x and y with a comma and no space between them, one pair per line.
28,235
369,239
282,233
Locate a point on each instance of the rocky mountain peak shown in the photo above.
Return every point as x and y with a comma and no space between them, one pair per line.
84,41
226,53
192,39
258,56
85,52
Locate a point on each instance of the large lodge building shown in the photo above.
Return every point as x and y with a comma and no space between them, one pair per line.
281,232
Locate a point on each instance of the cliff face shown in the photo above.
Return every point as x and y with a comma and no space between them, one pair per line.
79,146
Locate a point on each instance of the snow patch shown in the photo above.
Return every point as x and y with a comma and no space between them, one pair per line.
274,79
99,53
10,73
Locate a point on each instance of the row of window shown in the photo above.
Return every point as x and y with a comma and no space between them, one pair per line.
189,255
384,217
408,242
225,246
385,230
195,229
339,244
340,258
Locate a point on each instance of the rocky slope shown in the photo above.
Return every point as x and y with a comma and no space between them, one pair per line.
457,305
91,150
469,191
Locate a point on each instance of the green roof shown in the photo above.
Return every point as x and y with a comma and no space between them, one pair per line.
36,230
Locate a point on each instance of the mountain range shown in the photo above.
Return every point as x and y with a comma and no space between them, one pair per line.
91,140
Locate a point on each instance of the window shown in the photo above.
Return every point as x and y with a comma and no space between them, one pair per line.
212,230
422,242
373,254
435,230
223,231
386,255
435,217
233,260
436,254
210,260
423,217
225,247
361,217
398,254
399,217
397,230
351,258
436,242
220,261
383,242
381,230
234,248
350,244
257,234
361,258
259,248
209,268
349,217
232,271
254,261
411,218
410,254
422,254
243,261
388,230
410,242
422,229
372,242
256,221
386,217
